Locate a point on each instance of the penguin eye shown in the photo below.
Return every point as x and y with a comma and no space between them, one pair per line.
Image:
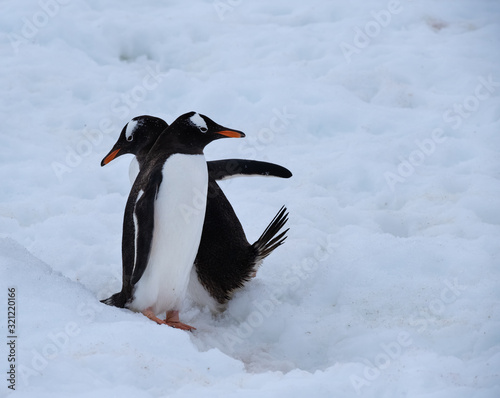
130,138
203,129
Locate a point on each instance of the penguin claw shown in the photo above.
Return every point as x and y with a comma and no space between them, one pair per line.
180,325
172,320
151,315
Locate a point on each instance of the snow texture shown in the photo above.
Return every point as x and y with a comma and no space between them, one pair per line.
386,112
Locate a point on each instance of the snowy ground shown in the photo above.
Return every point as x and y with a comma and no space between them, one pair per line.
387,113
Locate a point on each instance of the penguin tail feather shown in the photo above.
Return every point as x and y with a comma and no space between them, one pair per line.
269,240
117,300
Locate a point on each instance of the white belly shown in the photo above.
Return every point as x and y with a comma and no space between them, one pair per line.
133,170
199,295
178,222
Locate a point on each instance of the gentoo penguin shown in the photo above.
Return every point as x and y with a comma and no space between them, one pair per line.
164,218
139,135
225,259
149,129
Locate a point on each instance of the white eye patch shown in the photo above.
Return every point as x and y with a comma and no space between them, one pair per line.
129,131
199,122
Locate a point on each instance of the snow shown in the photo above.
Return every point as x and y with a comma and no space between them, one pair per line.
386,112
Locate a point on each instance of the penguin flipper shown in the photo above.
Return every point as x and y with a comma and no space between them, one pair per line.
117,300
144,227
225,168
140,217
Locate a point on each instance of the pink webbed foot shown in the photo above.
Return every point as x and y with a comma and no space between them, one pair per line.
151,315
172,320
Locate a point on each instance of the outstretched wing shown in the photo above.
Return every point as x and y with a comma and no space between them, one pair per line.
221,169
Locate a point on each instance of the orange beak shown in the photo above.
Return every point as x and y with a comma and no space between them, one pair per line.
231,133
110,157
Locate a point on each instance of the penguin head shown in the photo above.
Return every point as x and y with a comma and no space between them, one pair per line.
137,137
201,129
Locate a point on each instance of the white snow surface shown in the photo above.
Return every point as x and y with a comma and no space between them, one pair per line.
386,112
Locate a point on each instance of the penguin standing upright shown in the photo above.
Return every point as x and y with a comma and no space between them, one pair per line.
160,240
137,137
225,259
